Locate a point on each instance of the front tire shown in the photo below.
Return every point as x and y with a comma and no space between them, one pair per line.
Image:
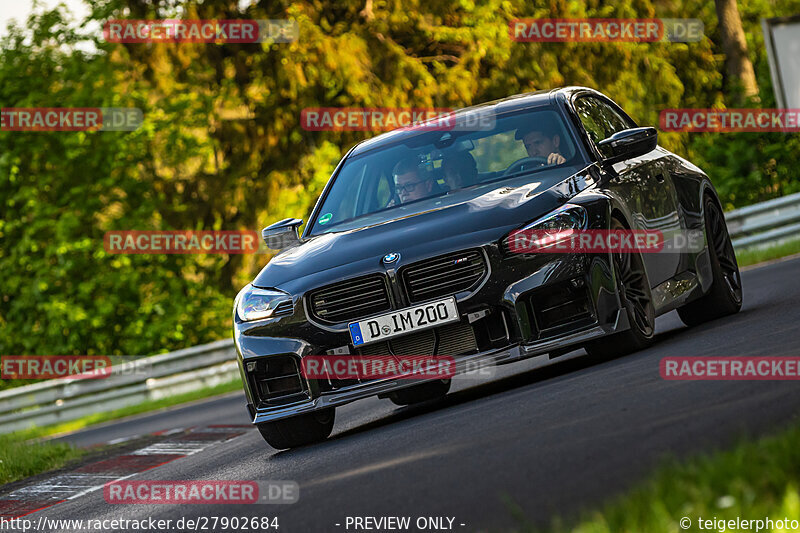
425,392
634,290
725,296
298,430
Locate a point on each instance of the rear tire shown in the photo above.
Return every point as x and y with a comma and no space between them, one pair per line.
634,290
725,296
432,390
298,430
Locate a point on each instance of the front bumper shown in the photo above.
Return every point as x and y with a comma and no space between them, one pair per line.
464,364
515,290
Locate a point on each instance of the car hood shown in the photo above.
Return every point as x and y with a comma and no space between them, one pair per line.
463,219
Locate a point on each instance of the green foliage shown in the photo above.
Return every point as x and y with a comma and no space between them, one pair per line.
221,146
61,292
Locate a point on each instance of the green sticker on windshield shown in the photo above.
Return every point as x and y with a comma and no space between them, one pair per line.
324,219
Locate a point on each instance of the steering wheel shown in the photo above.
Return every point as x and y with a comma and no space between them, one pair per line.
524,163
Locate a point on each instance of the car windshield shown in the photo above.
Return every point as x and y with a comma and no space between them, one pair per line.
434,164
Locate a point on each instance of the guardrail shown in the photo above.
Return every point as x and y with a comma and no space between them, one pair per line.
148,378
766,223
62,400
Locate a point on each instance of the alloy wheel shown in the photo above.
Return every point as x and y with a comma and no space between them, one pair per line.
633,285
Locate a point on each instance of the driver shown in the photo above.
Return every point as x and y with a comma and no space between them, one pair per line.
408,183
542,140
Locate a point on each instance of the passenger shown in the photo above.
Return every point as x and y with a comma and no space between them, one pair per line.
460,170
409,184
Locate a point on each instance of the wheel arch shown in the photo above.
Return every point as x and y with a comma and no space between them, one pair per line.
617,213
703,261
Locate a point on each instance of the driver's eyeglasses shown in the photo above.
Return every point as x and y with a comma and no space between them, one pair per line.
408,187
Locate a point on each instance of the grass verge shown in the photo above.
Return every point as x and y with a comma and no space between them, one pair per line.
20,459
21,456
755,480
752,257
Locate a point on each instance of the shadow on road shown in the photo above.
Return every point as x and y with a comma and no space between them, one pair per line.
666,339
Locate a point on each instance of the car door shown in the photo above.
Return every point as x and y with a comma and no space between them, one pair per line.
642,182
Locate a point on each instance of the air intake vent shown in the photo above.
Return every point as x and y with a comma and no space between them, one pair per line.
350,300
276,379
444,275
563,304
456,339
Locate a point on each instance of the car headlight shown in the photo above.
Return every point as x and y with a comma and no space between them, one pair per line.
253,303
565,218
547,231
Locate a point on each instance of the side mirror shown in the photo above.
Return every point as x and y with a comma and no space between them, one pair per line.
627,144
283,234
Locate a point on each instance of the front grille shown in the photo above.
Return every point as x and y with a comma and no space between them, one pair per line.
444,275
457,339
350,300
453,339
420,343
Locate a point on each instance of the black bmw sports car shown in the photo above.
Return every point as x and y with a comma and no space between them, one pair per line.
416,223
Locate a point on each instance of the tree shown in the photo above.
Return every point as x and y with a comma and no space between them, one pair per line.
737,62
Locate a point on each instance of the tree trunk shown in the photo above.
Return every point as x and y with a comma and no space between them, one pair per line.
367,11
737,62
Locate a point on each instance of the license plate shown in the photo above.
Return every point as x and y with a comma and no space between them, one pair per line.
396,323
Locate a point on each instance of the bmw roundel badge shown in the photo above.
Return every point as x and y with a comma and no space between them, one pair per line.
390,258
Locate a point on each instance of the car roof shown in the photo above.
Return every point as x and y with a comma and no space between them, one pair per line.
495,107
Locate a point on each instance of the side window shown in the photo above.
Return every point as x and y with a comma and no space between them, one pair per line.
590,118
383,192
375,192
613,120
600,119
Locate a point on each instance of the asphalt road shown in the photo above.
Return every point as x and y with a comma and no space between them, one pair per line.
528,443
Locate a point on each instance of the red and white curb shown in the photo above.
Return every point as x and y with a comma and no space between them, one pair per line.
92,477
